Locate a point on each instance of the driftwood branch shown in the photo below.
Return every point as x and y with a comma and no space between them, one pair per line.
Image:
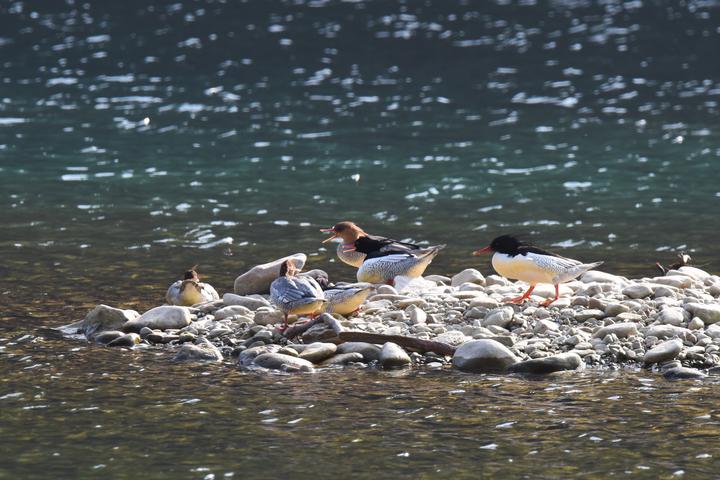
410,343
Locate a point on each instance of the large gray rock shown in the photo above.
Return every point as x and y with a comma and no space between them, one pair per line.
663,352
622,330
707,312
104,317
392,355
555,363
469,275
278,361
204,351
500,317
259,278
369,351
160,318
252,302
318,351
484,355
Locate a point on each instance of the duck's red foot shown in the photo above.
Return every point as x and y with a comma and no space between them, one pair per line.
519,300
391,282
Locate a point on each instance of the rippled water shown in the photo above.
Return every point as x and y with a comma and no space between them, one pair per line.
140,138
94,411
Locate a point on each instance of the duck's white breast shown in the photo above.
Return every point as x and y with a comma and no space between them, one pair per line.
521,267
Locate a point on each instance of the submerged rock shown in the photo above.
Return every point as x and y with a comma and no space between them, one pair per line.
108,336
677,373
343,359
127,340
554,363
160,318
105,317
259,278
484,355
278,361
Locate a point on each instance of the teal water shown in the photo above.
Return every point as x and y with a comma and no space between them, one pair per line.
140,138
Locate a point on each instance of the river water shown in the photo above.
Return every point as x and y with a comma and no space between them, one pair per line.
140,138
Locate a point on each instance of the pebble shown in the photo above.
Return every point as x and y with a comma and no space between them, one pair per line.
127,340
343,359
500,317
233,310
621,330
203,351
554,363
637,290
278,361
317,352
663,352
369,351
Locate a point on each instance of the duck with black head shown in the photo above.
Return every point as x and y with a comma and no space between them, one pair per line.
379,259
190,290
517,260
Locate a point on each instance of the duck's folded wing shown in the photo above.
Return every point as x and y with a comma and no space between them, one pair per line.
173,292
552,263
209,292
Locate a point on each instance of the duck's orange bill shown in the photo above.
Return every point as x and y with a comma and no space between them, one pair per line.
329,230
481,251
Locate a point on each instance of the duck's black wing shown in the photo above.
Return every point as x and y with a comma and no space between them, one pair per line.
376,246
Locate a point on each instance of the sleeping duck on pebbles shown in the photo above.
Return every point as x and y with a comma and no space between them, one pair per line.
380,259
295,295
190,291
517,260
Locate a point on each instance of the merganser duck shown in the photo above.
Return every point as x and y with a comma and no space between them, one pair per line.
683,259
380,259
345,300
190,291
295,295
517,260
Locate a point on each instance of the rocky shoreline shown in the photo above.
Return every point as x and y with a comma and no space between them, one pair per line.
669,323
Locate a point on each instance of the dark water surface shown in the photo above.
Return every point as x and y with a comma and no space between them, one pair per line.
140,138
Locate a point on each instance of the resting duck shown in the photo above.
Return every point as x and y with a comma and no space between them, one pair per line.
380,259
295,295
190,291
517,260
346,300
